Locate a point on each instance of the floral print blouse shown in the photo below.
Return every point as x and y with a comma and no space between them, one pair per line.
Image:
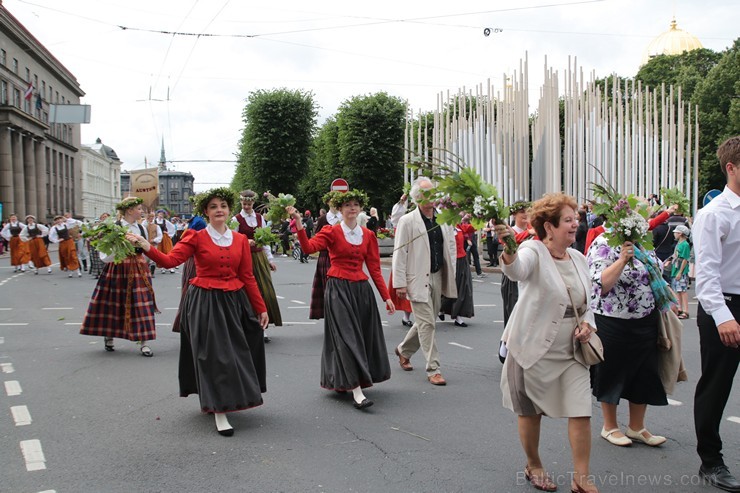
631,297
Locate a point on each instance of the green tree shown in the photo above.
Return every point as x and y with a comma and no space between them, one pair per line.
685,70
718,97
370,137
276,140
323,166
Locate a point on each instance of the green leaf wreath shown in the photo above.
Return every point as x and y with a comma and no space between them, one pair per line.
109,238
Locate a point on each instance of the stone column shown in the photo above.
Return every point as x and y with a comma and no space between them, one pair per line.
29,174
60,182
19,183
7,197
40,180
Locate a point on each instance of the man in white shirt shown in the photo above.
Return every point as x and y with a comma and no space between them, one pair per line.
716,234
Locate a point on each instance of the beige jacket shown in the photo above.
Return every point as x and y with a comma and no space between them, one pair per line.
412,258
543,299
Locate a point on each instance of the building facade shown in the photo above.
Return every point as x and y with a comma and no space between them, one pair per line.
101,179
40,170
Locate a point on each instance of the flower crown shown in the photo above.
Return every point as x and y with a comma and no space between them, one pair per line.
128,203
520,205
328,196
201,200
340,198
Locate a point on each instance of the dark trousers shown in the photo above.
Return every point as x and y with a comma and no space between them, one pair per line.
718,367
510,295
473,252
492,247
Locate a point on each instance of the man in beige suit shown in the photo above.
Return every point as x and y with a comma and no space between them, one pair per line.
423,271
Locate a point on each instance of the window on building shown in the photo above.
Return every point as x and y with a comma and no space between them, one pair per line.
43,88
57,97
174,196
3,57
3,92
16,98
185,195
14,68
36,82
28,74
174,185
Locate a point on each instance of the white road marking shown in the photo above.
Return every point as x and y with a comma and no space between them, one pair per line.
734,419
675,403
163,325
300,323
72,323
459,345
33,455
478,280
280,297
299,307
2,340
48,491
13,387
175,308
5,309
14,324
481,306
299,302
21,416
497,321
7,367
58,308
496,283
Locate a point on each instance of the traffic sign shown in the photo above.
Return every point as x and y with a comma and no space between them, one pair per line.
339,185
710,195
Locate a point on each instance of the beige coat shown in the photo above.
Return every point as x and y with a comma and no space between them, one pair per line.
412,258
543,299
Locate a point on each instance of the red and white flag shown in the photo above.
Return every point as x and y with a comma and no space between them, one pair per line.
29,91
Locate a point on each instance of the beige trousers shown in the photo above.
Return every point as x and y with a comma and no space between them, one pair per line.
421,334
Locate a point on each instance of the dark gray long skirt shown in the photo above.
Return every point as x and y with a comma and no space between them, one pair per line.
354,351
462,306
222,351
509,294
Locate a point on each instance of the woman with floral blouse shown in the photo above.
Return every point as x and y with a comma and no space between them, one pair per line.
628,320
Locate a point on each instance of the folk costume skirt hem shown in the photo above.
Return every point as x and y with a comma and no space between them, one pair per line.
68,256
261,269
222,350
165,246
39,254
122,303
19,252
354,353
462,306
630,368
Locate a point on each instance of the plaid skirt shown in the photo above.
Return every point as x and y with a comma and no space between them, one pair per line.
19,254
316,310
68,256
261,270
39,254
96,264
122,303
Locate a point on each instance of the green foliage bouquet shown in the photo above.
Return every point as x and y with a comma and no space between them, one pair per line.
265,237
462,192
675,196
275,206
626,217
109,238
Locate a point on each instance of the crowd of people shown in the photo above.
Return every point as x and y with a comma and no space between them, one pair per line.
565,289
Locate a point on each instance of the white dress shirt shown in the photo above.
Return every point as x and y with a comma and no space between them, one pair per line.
223,240
716,234
5,233
353,236
25,236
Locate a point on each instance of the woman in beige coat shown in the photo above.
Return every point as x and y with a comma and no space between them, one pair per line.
544,373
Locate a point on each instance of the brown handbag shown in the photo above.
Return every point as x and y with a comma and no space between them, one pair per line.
592,350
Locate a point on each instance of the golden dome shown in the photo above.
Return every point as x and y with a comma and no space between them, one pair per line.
672,42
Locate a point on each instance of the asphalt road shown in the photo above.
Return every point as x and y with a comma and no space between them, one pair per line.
91,421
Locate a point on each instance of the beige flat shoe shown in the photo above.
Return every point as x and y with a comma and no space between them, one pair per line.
638,436
618,441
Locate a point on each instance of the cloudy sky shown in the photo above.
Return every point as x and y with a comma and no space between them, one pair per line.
146,85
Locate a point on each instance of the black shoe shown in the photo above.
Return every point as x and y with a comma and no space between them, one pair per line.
362,405
441,316
460,324
227,432
267,339
407,323
720,477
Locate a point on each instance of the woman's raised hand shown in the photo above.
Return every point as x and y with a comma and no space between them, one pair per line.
138,241
293,212
504,230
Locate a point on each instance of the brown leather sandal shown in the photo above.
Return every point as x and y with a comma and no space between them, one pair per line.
540,483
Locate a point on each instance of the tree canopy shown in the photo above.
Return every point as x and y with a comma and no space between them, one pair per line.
276,141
